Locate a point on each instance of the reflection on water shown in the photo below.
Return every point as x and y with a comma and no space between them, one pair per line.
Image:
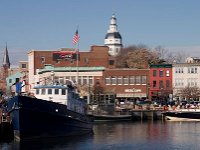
48,143
122,135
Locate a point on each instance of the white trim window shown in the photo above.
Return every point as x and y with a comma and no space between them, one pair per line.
132,80
107,80
120,80
114,80
125,80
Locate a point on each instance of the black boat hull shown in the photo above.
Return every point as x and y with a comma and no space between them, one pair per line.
182,115
35,118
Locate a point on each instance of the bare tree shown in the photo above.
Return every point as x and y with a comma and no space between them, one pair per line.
137,57
168,56
189,92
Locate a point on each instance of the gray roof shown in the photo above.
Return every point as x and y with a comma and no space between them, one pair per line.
113,35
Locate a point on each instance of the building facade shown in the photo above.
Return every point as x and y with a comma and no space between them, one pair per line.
185,75
160,86
97,56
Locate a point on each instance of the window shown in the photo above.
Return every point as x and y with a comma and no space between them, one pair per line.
79,80
86,61
114,80
43,91
107,80
111,62
63,91
23,66
49,91
119,80
144,79
154,84
161,73
56,91
167,73
195,70
192,70
90,80
42,60
161,84
84,80
56,79
132,80
125,80
137,80
167,83
37,91
154,73
10,80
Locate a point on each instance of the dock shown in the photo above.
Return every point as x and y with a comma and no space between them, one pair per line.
147,114
127,114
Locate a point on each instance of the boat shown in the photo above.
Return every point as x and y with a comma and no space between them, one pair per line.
103,118
182,115
108,112
53,111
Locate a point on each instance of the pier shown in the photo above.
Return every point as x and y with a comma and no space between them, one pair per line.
147,114
107,111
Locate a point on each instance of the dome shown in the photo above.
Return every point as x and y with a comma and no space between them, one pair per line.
115,35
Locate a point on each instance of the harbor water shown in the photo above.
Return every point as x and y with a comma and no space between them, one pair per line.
145,135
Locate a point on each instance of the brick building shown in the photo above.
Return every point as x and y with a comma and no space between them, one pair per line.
125,83
160,82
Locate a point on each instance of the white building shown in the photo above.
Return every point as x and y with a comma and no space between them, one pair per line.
113,38
185,74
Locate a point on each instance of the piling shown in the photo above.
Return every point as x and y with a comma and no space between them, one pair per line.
147,114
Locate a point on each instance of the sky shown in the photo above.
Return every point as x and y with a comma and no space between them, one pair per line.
51,24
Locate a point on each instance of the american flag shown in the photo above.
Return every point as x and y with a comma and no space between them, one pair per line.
76,37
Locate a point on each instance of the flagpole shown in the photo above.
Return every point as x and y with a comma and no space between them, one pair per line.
76,42
77,63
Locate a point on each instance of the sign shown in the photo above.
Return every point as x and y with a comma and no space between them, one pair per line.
132,90
65,55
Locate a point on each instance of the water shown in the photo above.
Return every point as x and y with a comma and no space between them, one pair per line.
151,135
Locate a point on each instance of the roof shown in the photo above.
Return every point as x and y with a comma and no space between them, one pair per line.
50,86
113,35
49,68
6,61
161,66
